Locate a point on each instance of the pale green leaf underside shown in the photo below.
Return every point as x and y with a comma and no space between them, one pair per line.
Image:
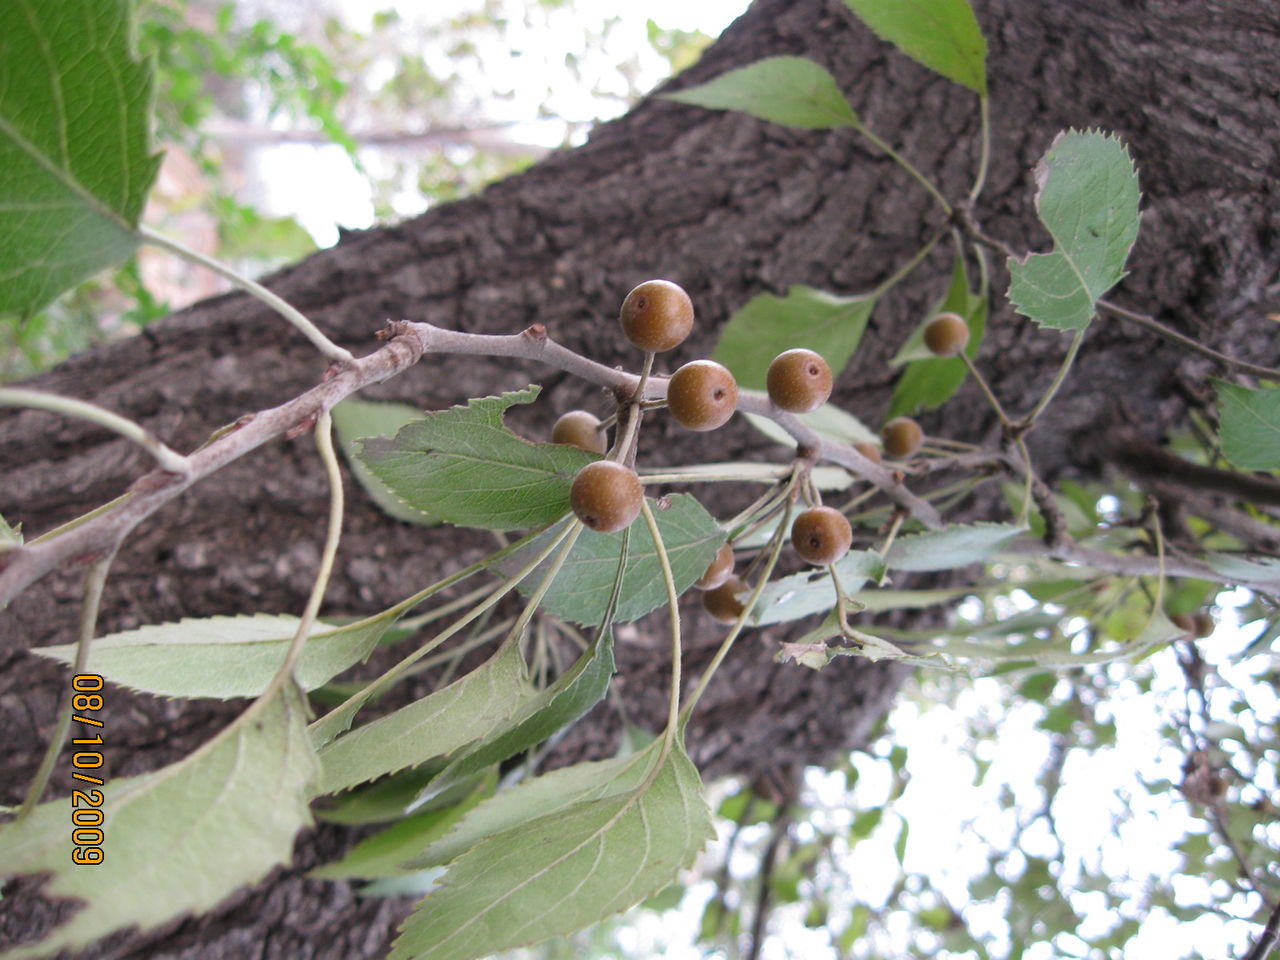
563,871
1250,425
1244,568
75,145
805,317
828,421
181,839
355,420
943,35
956,546
1088,199
223,656
9,536
550,793
438,724
809,592
790,90
581,592
464,466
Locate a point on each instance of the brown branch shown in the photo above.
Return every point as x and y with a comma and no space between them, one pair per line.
1141,459
105,529
1267,939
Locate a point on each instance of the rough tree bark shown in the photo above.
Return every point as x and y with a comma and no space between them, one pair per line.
729,207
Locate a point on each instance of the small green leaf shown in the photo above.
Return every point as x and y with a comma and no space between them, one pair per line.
560,872
1250,425
956,546
181,839
793,91
1088,199
581,592
75,145
436,725
812,591
805,317
464,466
9,536
929,381
224,656
828,421
943,35
356,420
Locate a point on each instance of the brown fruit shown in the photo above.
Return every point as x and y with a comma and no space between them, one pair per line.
606,496
718,571
1184,622
901,437
869,450
723,603
946,335
1204,625
821,535
702,395
580,429
657,315
798,381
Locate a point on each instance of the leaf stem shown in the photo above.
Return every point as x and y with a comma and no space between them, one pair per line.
908,166
167,458
981,381
905,270
779,537
673,603
286,310
337,504
95,581
1058,378
984,154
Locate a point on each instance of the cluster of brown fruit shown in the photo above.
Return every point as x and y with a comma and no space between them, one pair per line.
702,395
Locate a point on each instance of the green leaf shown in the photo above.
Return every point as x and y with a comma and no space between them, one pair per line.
812,591
793,91
563,871
956,546
929,381
1244,568
385,853
573,694
75,145
357,420
464,466
436,725
181,839
1088,199
1250,425
581,592
828,421
805,317
548,794
9,536
943,35
224,656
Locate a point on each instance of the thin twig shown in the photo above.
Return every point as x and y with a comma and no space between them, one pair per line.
1155,326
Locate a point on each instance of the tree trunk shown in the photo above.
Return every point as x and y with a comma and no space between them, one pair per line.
729,207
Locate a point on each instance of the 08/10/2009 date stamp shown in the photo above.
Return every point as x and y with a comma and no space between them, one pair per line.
87,818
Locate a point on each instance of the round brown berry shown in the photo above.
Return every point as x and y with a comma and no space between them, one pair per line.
657,315
718,571
868,450
821,535
702,395
606,496
946,335
1204,625
723,603
581,429
901,437
1184,622
798,381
